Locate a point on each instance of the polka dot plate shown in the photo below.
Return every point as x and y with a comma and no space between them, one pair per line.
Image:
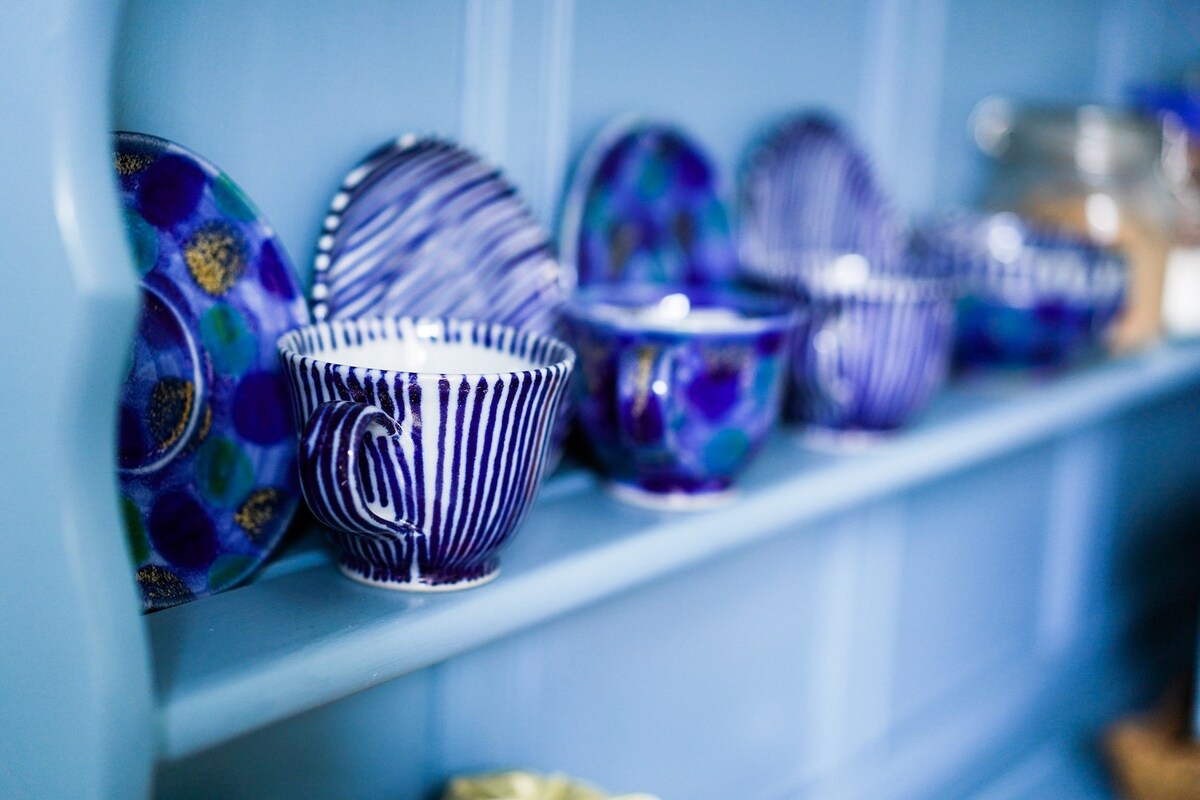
206,443
643,206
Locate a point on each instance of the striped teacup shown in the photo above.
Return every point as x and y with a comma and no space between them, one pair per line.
422,441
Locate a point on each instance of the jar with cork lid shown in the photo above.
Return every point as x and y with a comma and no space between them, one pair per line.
1093,170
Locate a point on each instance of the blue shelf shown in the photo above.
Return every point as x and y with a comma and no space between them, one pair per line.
302,635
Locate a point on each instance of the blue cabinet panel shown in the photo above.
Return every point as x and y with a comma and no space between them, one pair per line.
723,70
76,705
718,664
1151,575
380,743
971,585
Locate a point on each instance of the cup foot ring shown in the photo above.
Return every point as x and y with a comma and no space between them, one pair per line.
419,583
670,501
843,441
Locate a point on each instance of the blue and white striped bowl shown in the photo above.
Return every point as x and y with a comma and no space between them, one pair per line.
422,441
1028,295
870,350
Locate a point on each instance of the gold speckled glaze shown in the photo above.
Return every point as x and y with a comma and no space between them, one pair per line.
169,411
260,508
216,257
161,585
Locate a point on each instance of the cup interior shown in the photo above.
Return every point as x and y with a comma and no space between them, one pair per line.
424,346
851,277
1003,249
430,355
689,310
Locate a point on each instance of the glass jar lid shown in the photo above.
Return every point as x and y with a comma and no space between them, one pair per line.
1094,140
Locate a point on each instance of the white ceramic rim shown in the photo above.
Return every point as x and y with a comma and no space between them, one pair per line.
291,354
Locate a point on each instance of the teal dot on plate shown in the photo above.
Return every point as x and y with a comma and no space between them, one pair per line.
231,200
764,377
226,336
228,570
652,182
135,531
726,450
143,240
223,472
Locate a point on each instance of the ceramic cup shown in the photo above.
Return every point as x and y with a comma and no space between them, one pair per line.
870,350
677,388
422,441
1027,295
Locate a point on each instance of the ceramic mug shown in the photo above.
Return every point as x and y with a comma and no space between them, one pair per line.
677,387
422,441
870,349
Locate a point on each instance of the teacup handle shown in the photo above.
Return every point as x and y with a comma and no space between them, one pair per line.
831,347
644,379
331,445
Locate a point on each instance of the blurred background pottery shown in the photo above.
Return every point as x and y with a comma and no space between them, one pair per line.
423,441
1028,295
1094,170
527,786
870,351
809,195
677,387
644,206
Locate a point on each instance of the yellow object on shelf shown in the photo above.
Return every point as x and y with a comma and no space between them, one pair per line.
527,786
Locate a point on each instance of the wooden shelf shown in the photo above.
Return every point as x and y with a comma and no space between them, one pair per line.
303,635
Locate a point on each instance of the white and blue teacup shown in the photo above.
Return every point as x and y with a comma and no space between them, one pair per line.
677,386
422,441
871,348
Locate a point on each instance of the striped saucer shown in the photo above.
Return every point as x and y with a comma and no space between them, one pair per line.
424,227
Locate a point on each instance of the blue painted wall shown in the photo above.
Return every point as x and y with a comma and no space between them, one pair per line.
286,96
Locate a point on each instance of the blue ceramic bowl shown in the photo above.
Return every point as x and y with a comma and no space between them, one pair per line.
870,350
677,387
1027,296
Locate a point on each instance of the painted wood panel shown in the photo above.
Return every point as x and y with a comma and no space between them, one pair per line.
76,702
722,70
381,743
971,577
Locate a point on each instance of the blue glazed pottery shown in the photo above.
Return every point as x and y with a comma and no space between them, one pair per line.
809,195
424,227
206,453
423,441
1028,295
870,351
677,387
644,206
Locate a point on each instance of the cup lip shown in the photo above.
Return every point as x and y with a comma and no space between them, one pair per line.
1046,261
817,281
756,311
968,230
291,349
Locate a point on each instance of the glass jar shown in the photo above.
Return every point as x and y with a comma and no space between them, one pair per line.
1096,171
